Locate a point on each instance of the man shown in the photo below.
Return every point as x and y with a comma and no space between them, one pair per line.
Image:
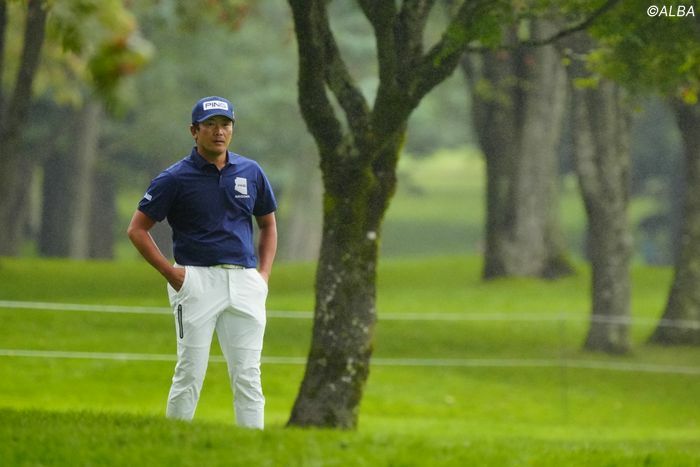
209,199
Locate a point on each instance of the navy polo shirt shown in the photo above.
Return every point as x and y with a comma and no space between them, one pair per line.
209,211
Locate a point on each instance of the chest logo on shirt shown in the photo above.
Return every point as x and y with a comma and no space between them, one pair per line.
241,186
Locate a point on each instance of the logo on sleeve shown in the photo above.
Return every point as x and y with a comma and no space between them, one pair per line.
241,186
147,196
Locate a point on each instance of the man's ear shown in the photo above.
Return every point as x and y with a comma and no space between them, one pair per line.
193,130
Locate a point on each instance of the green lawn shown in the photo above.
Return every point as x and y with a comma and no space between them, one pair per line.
515,391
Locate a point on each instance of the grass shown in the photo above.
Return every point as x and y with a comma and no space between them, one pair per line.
69,411
102,439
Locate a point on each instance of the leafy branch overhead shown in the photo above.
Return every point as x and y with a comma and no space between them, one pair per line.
648,53
406,72
93,43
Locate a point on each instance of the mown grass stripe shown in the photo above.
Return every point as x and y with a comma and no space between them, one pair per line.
389,362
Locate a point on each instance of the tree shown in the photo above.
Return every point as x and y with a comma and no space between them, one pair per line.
519,97
601,118
661,54
680,323
358,161
89,46
14,169
68,185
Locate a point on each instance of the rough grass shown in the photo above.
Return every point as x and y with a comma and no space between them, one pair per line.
83,438
69,411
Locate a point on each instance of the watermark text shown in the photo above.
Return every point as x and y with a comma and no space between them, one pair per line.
671,11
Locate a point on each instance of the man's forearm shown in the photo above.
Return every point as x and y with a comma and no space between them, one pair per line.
267,248
145,245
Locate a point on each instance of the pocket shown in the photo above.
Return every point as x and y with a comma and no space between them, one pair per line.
176,295
185,281
259,279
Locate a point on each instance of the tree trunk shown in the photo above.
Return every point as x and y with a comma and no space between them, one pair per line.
345,312
54,235
358,162
15,170
86,153
518,107
602,157
103,214
680,323
68,185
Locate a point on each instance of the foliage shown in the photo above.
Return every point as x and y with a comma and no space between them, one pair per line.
89,44
252,66
650,53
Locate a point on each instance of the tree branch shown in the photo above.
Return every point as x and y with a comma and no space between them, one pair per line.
33,41
382,16
313,101
587,22
3,32
391,97
338,79
467,25
409,36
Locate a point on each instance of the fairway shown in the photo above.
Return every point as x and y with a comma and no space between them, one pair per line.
463,371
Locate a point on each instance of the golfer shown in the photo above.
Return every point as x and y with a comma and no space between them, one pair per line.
217,283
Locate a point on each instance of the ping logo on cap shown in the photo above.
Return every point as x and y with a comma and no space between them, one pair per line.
209,105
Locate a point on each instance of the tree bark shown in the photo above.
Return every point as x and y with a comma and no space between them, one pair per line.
103,214
345,312
680,323
68,186
86,153
15,171
358,162
57,213
602,158
518,99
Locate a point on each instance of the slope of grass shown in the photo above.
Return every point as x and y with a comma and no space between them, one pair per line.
80,438
490,409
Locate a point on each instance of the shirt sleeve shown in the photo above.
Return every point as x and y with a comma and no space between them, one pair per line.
265,201
159,196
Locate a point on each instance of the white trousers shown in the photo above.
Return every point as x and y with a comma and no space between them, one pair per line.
232,303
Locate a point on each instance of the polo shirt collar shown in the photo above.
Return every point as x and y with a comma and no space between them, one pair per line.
201,162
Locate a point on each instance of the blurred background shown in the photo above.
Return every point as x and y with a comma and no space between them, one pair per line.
478,353
87,161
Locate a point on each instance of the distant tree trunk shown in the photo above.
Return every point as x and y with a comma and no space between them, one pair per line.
680,323
103,214
601,122
518,106
54,235
358,162
15,167
68,185
86,152
301,239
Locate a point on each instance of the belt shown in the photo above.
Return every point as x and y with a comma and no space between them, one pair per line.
229,266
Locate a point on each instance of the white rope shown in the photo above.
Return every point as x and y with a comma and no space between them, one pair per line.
428,316
386,362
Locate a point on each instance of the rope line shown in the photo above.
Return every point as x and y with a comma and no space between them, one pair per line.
386,362
406,316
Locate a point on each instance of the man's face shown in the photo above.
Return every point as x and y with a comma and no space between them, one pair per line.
213,135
